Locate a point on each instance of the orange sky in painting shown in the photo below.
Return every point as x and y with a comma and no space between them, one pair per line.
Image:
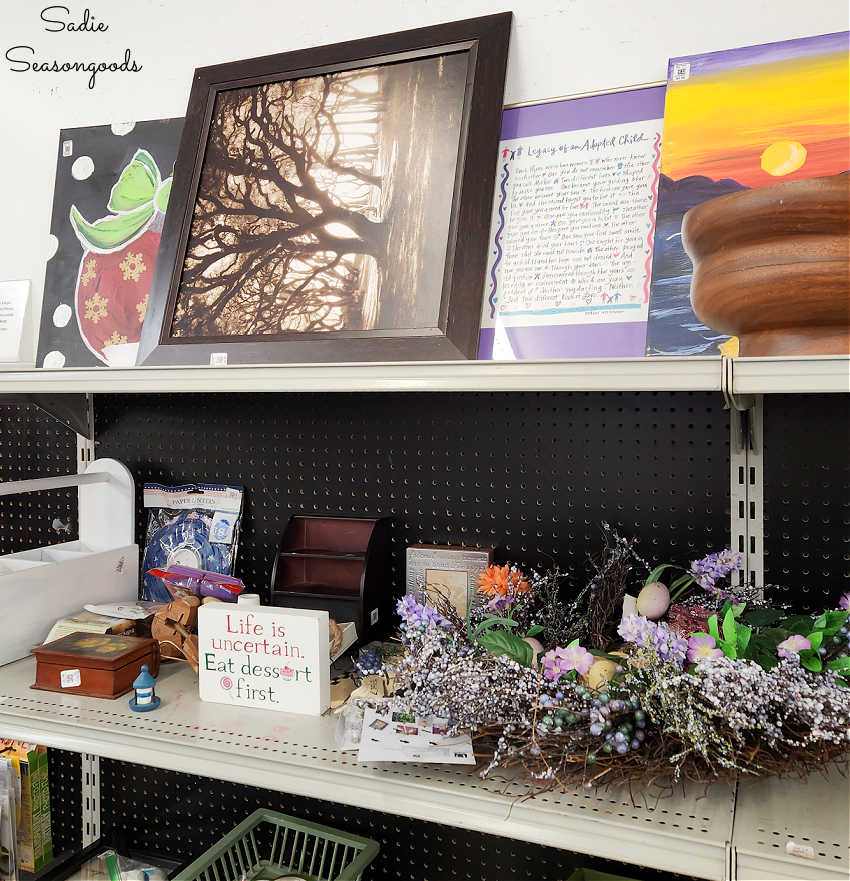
719,124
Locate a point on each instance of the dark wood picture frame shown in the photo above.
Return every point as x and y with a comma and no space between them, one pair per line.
455,334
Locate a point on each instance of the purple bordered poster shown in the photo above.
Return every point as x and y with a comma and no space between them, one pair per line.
572,229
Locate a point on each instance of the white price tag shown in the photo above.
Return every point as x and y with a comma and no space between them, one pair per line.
70,678
681,71
800,850
218,359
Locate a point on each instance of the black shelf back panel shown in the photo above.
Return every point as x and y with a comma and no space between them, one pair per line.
530,473
807,499
33,445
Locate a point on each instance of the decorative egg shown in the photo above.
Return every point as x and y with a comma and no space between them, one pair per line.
599,674
653,600
536,647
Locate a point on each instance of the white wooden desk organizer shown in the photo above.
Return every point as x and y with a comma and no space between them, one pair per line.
37,587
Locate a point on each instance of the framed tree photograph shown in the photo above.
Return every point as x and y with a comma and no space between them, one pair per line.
333,204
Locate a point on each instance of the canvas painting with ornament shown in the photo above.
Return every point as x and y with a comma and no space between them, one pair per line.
110,197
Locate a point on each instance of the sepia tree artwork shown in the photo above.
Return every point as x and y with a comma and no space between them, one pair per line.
324,203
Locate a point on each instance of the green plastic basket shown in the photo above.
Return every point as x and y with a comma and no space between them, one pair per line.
268,845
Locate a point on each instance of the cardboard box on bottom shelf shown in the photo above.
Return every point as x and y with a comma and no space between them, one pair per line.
34,835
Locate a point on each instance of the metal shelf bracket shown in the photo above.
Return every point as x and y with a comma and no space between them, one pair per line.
74,411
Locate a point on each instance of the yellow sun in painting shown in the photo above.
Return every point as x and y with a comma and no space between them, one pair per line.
783,157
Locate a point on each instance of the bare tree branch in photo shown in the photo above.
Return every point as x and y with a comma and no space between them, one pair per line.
287,211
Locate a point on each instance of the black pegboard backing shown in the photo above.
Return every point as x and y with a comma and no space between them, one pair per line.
807,498
34,445
531,473
180,815
66,807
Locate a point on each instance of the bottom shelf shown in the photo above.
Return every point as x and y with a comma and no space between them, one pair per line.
688,832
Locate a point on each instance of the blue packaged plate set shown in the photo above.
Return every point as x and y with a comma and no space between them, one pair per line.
195,525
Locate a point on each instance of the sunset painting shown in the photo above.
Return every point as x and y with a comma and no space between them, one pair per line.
735,120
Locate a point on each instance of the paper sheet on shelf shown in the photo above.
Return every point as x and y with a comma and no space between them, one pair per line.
135,611
389,735
82,622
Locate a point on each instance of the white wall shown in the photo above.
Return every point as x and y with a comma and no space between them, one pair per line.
558,47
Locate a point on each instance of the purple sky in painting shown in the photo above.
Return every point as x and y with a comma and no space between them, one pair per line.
713,62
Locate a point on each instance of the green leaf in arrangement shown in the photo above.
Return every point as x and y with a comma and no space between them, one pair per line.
820,622
653,576
598,653
162,196
682,579
768,662
713,629
761,617
109,233
797,624
534,630
729,627
842,664
137,184
761,648
501,642
493,621
811,660
815,638
744,635
772,636
833,622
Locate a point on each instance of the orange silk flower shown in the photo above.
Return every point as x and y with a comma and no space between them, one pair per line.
500,580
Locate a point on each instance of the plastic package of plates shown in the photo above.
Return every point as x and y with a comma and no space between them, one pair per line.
195,525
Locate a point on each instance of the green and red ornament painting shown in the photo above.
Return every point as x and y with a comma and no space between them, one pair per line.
112,189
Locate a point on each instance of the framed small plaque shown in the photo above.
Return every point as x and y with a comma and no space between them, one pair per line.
434,570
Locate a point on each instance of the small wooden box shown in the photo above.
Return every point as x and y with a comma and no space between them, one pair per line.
338,565
93,664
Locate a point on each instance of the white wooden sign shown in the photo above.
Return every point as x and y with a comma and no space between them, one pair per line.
265,657
15,323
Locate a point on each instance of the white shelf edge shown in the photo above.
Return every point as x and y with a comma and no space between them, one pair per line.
587,374
813,374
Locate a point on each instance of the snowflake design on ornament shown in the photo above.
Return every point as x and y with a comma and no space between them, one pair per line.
132,266
96,308
142,308
115,340
90,272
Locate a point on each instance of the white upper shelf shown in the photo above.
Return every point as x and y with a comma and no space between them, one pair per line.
812,374
751,376
585,374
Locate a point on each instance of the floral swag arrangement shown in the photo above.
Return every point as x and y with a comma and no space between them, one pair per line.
693,680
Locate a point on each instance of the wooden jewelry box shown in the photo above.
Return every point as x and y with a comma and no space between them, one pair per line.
94,664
